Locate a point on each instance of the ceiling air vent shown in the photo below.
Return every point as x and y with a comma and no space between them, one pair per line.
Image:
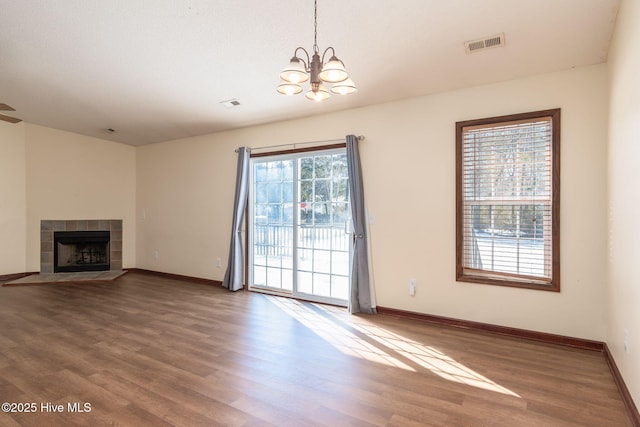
484,43
230,103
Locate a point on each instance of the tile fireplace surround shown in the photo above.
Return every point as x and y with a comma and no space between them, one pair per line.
47,227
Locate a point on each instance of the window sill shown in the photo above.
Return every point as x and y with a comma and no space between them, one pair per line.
535,285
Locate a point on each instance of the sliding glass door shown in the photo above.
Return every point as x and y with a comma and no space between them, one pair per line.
299,214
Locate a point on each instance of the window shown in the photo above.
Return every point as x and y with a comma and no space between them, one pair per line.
508,200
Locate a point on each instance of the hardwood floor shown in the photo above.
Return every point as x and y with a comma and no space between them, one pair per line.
146,350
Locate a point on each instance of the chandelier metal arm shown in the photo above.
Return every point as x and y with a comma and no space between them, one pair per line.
295,55
333,53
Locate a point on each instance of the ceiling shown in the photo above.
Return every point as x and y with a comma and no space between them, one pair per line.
157,70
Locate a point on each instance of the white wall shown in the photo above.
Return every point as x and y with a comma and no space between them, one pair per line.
70,176
624,194
12,199
185,190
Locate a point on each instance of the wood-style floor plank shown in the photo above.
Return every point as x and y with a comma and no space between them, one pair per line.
147,350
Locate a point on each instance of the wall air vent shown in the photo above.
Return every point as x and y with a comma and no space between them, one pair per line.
484,43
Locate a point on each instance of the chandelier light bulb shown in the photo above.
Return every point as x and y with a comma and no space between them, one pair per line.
333,71
289,89
294,78
294,72
319,95
344,87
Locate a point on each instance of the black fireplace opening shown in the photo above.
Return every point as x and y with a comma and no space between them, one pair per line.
75,251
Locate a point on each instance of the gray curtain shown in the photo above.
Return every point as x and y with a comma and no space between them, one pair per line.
235,267
360,300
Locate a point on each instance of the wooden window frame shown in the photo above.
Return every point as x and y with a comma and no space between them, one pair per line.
520,281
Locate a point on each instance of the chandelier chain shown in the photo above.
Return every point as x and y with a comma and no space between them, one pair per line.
315,26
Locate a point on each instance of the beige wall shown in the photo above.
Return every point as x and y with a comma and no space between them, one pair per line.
12,198
185,191
184,205
70,176
624,194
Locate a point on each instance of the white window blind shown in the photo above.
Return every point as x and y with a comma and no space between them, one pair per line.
506,212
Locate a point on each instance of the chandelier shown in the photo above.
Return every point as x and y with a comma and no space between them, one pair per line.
316,70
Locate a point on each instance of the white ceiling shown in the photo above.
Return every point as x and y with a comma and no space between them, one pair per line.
157,70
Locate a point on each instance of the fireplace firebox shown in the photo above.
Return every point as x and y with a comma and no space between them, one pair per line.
75,251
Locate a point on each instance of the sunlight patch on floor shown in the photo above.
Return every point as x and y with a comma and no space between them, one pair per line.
336,335
429,358
359,337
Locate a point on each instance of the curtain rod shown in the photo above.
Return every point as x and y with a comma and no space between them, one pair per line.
294,144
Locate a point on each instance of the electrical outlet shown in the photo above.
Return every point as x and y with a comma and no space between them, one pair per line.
412,287
155,255
218,263
626,340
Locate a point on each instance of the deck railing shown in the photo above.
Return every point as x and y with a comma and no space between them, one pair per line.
276,240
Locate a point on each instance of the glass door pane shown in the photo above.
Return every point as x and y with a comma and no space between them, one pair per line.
299,212
272,228
323,245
